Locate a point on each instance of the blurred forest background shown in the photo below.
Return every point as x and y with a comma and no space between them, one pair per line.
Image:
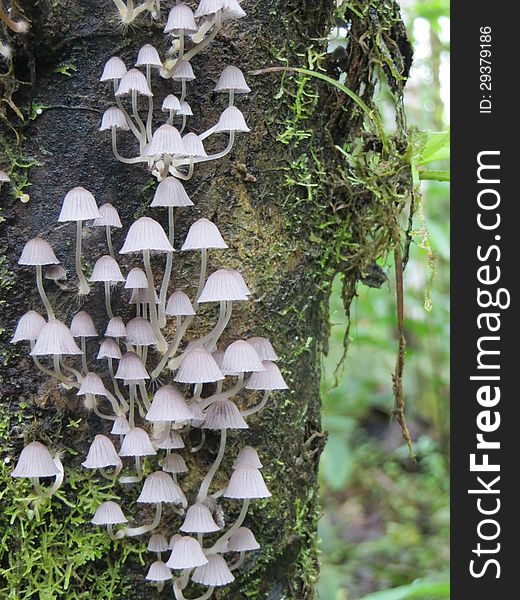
385,526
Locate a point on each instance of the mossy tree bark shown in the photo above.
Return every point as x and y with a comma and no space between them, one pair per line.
274,229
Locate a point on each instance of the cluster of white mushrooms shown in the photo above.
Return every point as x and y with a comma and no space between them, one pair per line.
148,379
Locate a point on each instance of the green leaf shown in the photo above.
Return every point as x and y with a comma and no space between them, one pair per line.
419,590
436,147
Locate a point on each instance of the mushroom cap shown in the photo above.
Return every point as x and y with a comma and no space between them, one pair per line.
232,78
78,205
241,357
141,296
166,139
4,177
114,69
109,513
171,102
183,70
120,426
55,338
232,10
101,454
109,217
137,443
168,404
115,328
171,441
198,519
218,355
186,554
55,273
109,348
139,332
208,7
181,17
133,81
29,327
35,460
246,482
146,234
136,279
160,487
106,269
157,543
215,573
193,145
185,109
247,457
174,463
243,540
263,348
170,192
92,384
113,117
131,368
198,366
82,325
158,571
173,540
270,379
203,234
224,414
148,55
222,285
231,120
38,252
179,305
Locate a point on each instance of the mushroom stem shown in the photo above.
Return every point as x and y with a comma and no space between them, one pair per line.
120,397
121,107
161,346
83,341
109,241
172,348
178,174
68,383
131,416
183,126
206,41
135,531
255,409
239,385
180,596
58,481
200,445
168,269
183,91
213,336
231,97
70,369
84,287
236,565
149,116
181,44
128,161
108,303
140,124
133,478
219,545
144,397
43,295
202,275
112,476
206,482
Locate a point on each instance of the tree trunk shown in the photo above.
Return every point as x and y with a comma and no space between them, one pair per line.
273,226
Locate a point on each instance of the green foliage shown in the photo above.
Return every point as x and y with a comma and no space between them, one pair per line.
419,590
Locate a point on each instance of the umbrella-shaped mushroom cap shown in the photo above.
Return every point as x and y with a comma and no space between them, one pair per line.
133,81
140,296
232,120
215,573
146,234
232,10
109,513
183,71
232,79
4,177
174,463
247,457
193,145
222,285
241,357
218,355
29,327
82,325
224,414
35,461
158,571
37,252
148,55
78,205
203,234
246,482
240,280
55,339
170,192
199,520
109,217
120,426
92,384
106,269
243,540
109,348
137,443
101,454
55,273
171,102
166,139
160,487
131,368
171,441
179,305
157,543
173,540
208,7
270,379
168,404
113,117
185,110
263,348
136,279
115,328
114,69
198,366
186,554
181,17
139,332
